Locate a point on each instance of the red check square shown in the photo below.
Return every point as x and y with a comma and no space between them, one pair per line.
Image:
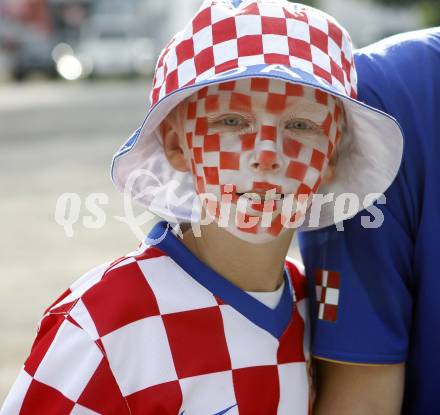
204,60
191,111
300,49
198,155
291,342
319,39
261,381
129,291
248,141
296,170
318,159
250,45
211,103
229,160
202,20
91,397
211,175
50,401
291,148
197,342
240,102
274,25
172,81
275,103
165,398
268,132
259,84
335,33
321,97
293,90
211,143
224,30
185,50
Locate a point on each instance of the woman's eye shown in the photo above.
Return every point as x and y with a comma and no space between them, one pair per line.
298,125
232,122
229,122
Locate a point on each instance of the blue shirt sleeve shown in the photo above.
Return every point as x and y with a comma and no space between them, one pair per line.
374,309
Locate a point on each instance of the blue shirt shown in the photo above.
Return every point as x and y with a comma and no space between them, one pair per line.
388,308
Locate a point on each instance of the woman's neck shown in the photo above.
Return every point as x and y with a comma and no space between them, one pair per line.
252,267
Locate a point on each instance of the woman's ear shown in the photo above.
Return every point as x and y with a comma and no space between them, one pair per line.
172,145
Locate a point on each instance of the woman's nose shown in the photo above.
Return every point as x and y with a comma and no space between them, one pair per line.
265,157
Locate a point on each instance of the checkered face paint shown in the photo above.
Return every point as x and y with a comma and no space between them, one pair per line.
259,146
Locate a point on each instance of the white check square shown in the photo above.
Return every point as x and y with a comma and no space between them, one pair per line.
251,60
82,410
139,355
248,25
318,291
209,394
81,315
311,176
270,11
248,344
202,39
318,22
171,60
70,362
320,58
334,51
187,294
293,388
225,51
17,394
331,296
186,71
275,44
218,14
301,64
211,159
297,29
159,76
338,85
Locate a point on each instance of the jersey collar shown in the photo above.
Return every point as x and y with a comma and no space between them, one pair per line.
273,321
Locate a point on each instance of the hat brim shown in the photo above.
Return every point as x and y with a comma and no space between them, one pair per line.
369,155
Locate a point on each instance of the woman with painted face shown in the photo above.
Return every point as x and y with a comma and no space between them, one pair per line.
268,140
253,114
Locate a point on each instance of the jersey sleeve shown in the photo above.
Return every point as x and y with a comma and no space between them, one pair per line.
361,279
65,373
359,296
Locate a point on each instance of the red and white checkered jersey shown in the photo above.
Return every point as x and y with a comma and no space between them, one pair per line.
144,336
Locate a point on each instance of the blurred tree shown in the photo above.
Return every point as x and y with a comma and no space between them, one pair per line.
430,8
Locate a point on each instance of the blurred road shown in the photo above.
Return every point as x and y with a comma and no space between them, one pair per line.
55,138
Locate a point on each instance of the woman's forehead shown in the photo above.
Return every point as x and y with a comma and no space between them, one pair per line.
257,94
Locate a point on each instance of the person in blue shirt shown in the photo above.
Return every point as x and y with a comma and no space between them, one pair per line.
378,336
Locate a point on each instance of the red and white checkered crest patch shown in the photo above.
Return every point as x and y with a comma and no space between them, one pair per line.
225,35
327,285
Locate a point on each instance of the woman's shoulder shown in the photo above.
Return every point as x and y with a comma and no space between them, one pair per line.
111,295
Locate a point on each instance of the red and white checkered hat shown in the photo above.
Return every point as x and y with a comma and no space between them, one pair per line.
234,39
